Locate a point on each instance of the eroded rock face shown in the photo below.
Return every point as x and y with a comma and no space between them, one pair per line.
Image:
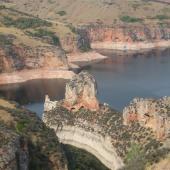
151,113
80,92
14,58
13,151
127,33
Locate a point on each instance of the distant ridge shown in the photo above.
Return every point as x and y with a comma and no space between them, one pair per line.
162,1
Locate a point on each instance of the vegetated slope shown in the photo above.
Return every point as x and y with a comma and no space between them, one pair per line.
28,42
84,11
25,142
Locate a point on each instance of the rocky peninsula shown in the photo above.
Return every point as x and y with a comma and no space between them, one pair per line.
101,130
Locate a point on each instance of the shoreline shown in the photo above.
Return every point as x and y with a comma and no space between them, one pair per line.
130,46
86,58
26,75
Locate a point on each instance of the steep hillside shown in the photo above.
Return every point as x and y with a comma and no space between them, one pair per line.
25,142
84,11
28,42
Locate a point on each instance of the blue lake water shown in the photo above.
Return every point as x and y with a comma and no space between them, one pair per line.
120,78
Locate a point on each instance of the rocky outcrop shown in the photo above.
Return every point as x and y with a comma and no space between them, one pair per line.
100,132
81,92
14,58
150,113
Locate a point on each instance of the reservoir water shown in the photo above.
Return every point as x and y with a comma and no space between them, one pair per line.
120,78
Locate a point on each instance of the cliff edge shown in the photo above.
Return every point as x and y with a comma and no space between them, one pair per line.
102,132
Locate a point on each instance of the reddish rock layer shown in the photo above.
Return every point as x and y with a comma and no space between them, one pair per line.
154,114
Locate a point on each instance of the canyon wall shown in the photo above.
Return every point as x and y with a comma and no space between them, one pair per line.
14,58
127,37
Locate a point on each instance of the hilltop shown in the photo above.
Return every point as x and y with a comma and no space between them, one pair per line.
85,11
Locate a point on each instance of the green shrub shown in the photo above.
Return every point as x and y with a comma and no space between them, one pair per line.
133,152
43,33
4,40
2,7
161,17
61,13
21,125
24,23
130,19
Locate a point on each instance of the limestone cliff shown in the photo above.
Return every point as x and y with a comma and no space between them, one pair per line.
101,132
127,37
151,113
81,92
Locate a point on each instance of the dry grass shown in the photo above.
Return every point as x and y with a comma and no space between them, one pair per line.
5,103
21,36
83,11
6,117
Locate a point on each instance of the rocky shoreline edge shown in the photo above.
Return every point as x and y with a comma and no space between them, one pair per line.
131,46
52,73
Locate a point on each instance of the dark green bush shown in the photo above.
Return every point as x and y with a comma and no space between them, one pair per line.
79,159
24,23
161,17
130,19
5,40
61,13
43,33
2,7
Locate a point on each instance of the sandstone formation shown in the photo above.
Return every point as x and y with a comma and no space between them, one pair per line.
100,132
81,92
151,113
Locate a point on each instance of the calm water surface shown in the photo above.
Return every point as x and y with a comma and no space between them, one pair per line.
120,78
32,93
123,77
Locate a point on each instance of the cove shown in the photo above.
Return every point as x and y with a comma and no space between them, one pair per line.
120,78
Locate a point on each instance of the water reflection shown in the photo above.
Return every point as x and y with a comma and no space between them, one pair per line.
32,93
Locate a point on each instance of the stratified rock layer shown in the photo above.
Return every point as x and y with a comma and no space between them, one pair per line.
151,113
14,58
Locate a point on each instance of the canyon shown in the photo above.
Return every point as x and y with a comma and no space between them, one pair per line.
46,39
